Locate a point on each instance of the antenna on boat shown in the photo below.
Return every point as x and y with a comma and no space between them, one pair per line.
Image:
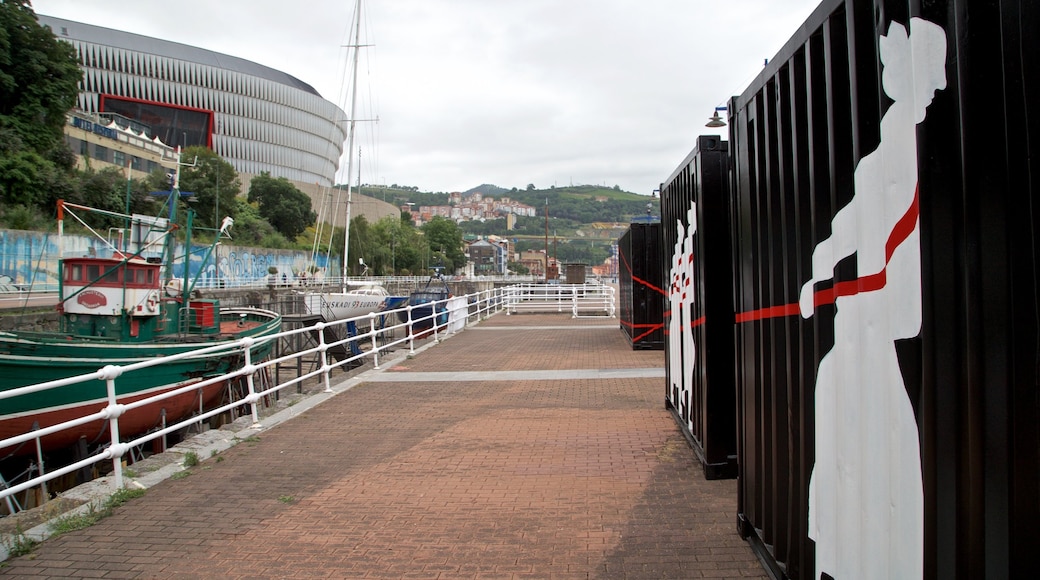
175,193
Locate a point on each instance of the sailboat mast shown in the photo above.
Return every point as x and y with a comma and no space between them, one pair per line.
350,139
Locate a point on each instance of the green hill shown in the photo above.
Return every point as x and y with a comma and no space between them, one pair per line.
579,204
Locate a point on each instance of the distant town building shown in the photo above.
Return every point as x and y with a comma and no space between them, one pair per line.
476,206
106,140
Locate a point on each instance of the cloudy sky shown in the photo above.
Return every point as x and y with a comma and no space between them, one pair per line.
508,92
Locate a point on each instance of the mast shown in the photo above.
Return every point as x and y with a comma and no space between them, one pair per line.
350,140
175,192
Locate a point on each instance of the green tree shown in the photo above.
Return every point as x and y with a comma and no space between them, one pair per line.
445,242
105,189
518,268
397,246
251,229
359,244
283,205
214,184
38,78
21,177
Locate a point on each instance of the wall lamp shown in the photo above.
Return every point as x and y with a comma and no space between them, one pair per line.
715,120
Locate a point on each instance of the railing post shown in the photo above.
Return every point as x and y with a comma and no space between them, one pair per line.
411,332
323,347
109,374
251,384
375,348
434,321
39,459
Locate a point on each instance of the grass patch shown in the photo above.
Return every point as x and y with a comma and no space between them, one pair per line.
250,439
180,475
191,459
219,458
19,544
286,499
94,513
124,495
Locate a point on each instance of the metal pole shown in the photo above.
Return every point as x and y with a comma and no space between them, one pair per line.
350,141
547,239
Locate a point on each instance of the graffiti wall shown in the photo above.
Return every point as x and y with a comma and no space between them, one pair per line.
31,259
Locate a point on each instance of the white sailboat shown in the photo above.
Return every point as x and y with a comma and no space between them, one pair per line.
353,299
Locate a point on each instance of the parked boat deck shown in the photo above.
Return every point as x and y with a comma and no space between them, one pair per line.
527,446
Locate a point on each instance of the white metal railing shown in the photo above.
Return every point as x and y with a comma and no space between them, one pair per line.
19,291
583,300
373,340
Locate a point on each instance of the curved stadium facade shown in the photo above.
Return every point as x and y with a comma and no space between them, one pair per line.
257,118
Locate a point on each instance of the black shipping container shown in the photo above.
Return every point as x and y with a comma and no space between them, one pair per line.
640,281
699,317
885,235
575,273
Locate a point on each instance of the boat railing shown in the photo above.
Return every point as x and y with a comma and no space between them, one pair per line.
325,346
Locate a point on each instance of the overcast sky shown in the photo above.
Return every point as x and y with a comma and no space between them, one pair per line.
508,92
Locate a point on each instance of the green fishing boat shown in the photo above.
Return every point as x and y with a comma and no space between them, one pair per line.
123,308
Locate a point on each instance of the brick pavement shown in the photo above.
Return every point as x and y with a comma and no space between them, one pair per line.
577,478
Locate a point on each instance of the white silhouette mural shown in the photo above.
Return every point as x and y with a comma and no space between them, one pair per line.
866,498
681,290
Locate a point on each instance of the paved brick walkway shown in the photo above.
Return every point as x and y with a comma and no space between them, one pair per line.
513,478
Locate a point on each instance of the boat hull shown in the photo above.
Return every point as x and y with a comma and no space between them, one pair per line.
423,303
135,421
344,305
34,358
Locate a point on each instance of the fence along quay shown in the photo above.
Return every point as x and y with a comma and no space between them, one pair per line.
314,352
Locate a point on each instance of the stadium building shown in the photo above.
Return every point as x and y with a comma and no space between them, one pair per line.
257,118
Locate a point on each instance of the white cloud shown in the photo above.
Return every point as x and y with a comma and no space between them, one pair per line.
508,92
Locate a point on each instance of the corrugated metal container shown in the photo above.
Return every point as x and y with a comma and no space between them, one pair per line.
575,273
885,172
639,286
695,218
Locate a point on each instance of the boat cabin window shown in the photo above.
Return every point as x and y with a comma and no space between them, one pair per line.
112,274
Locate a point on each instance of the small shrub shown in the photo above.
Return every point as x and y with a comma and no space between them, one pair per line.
19,544
95,512
191,459
124,495
71,523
